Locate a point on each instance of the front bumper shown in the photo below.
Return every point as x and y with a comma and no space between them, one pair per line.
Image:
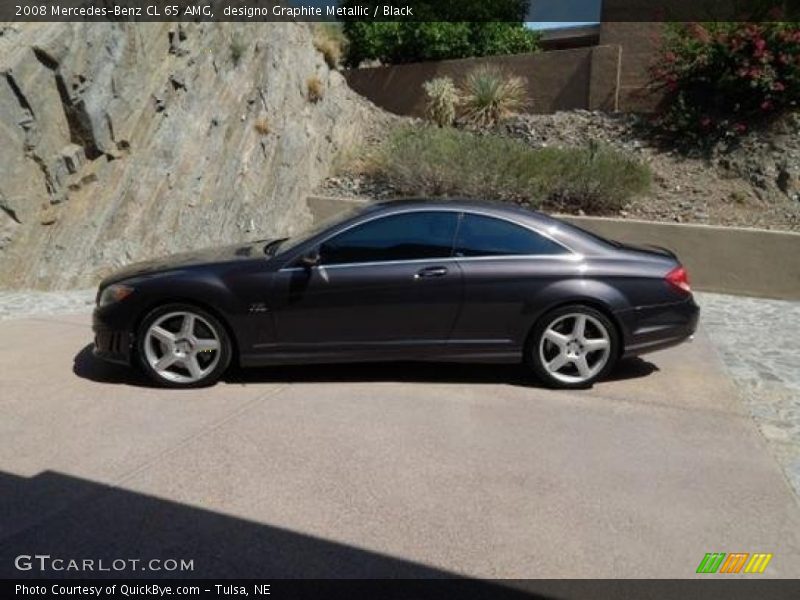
658,327
111,343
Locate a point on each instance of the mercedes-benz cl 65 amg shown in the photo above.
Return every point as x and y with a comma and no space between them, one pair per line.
414,280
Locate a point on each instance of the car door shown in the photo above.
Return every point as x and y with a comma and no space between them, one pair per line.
504,265
384,286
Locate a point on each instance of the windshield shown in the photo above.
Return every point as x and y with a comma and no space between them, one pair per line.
287,244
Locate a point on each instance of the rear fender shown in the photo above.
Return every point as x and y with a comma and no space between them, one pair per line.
590,292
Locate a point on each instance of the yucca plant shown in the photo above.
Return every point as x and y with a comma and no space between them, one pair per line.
492,95
442,100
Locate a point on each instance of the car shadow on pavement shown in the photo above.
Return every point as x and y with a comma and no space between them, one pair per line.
70,518
87,366
415,372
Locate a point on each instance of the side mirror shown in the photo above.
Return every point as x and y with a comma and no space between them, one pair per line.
310,258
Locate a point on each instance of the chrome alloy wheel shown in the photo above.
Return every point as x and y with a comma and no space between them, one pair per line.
574,348
182,347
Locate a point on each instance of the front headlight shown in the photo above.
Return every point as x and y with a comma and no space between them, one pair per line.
114,293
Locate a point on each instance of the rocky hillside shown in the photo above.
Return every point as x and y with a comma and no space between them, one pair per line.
752,183
119,141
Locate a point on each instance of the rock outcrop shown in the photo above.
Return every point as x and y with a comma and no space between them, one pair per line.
122,141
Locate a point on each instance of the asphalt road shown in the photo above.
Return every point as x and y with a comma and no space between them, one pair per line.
382,470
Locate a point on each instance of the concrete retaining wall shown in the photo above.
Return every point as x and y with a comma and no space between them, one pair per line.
728,260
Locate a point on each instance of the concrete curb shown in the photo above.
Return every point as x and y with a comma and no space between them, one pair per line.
727,260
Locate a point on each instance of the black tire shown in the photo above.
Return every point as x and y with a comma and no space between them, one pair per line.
212,363
596,319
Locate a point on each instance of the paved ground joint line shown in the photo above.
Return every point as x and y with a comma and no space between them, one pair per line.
204,431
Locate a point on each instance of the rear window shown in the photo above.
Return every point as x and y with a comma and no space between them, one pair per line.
479,235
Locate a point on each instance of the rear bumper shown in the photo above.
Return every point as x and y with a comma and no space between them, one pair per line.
661,326
111,344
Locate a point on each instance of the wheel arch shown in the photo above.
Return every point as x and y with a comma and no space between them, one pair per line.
589,302
178,299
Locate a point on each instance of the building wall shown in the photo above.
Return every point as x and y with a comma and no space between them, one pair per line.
559,80
638,43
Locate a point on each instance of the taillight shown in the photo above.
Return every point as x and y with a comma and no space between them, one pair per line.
679,278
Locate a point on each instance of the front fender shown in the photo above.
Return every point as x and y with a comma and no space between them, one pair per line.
205,290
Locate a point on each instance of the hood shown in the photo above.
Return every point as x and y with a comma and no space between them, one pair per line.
222,254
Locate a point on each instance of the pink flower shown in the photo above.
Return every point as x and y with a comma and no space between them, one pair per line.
740,127
761,48
778,86
766,105
705,122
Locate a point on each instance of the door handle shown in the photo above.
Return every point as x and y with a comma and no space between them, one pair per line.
431,272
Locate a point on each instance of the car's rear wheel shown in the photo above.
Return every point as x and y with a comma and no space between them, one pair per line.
572,347
180,345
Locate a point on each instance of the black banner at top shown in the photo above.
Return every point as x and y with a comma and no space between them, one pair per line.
566,11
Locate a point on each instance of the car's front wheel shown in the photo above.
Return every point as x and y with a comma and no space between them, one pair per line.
180,345
572,347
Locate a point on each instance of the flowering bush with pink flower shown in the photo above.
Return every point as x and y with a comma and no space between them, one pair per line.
722,79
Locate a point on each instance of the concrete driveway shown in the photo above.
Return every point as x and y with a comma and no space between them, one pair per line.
382,470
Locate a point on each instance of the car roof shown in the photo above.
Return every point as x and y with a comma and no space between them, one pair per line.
574,237
465,204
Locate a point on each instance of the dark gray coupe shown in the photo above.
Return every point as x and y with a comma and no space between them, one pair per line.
410,280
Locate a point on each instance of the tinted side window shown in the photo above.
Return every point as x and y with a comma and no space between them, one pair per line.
487,236
407,236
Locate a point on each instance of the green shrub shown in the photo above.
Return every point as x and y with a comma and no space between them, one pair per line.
595,179
720,79
491,95
430,161
442,100
441,30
